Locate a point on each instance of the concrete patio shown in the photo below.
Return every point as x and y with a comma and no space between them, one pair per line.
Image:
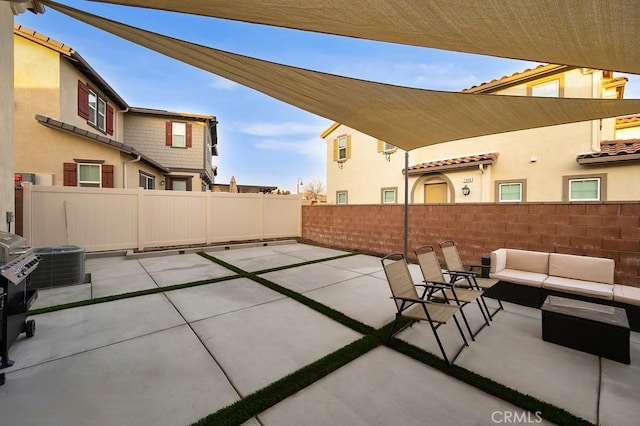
174,357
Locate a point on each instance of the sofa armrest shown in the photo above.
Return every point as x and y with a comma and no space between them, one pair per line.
498,260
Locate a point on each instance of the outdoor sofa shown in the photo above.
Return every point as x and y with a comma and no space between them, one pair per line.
528,277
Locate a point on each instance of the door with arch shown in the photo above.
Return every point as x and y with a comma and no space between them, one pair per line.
435,193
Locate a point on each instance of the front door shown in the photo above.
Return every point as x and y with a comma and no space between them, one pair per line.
435,193
179,184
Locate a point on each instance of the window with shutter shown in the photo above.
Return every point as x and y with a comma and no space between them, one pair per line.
178,134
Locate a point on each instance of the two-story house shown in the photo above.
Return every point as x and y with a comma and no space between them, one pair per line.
73,129
586,161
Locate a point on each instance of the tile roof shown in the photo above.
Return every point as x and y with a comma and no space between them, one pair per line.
454,163
517,77
631,120
610,151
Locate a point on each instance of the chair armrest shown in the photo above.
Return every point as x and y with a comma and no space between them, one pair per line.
410,299
462,273
435,284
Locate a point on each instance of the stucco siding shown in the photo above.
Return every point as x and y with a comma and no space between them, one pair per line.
6,110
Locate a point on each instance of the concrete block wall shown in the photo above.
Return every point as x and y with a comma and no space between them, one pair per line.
610,230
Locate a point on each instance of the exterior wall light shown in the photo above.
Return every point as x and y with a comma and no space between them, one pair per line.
466,190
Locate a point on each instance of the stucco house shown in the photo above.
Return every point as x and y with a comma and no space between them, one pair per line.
587,161
73,129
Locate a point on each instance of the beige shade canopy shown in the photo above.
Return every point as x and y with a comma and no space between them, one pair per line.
599,34
405,117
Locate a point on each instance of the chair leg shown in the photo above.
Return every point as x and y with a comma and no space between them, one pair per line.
463,339
444,354
484,315
464,318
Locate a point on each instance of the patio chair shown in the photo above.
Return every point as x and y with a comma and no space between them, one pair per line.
458,271
414,308
432,274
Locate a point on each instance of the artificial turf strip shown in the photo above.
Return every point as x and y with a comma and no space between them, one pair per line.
127,295
317,306
547,411
265,398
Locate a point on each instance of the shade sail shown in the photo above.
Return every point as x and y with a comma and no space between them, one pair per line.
405,117
600,34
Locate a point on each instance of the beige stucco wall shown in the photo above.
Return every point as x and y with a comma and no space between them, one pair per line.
540,157
6,113
366,172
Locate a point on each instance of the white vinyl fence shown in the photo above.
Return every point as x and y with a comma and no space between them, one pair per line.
114,219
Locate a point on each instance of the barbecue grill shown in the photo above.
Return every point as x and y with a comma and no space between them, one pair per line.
17,262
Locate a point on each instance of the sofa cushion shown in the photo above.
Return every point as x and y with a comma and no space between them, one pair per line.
581,287
529,261
583,268
531,279
626,294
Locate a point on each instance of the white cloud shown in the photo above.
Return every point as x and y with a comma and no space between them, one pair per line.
264,129
221,83
437,76
314,148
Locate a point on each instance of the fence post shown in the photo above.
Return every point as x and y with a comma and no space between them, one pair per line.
209,228
139,218
26,212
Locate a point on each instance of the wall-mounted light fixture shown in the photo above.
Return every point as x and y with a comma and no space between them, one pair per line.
161,182
466,190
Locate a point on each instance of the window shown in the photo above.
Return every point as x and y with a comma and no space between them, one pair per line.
342,148
94,109
97,111
89,175
389,195
511,191
178,134
179,184
550,89
147,181
341,197
585,188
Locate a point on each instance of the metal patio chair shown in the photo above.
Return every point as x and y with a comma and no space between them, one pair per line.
458,272
415,308
432,274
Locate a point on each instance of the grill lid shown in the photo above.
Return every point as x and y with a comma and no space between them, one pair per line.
11,245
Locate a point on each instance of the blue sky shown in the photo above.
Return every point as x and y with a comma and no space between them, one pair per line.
262,141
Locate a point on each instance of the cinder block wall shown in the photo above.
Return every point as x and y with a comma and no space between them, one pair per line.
610,230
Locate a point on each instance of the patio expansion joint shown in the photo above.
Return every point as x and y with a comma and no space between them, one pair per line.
213,357
95,348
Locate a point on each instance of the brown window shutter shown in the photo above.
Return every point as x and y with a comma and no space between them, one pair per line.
380,146
70,174
109,119
83,100
188,142
335,150
168,133
348,146
107,176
